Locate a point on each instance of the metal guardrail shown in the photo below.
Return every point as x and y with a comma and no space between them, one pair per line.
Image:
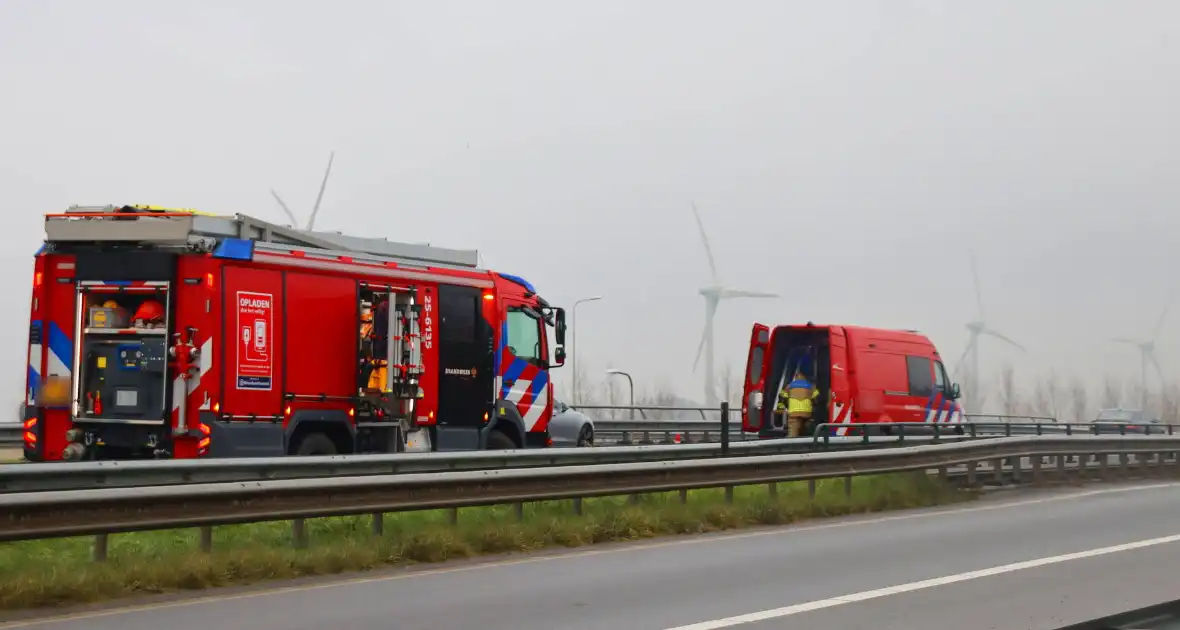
81,475
100,512
10,434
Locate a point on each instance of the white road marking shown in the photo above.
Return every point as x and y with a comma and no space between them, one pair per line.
786,611
786,530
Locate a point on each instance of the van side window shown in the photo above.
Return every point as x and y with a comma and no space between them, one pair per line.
921,376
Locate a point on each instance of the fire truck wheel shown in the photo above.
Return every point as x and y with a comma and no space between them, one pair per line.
498,441
586,436
316,444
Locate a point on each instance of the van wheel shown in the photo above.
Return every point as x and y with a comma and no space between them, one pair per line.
316,444
498,441
586,436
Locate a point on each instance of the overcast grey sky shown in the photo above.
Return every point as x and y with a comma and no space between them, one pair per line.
846,154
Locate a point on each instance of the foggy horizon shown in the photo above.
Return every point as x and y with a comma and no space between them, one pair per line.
846,155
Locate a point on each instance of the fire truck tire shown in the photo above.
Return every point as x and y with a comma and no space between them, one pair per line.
316,444
498,441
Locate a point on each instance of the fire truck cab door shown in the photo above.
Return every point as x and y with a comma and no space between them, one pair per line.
524,396
465,374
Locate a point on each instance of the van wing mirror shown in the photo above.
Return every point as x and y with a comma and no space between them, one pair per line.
956,393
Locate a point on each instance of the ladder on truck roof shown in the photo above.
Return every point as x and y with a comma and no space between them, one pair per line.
202,232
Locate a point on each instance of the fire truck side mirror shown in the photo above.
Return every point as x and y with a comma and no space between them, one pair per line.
559,329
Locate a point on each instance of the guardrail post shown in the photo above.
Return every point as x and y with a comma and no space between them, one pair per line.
299,533
378,524
453,516
683,496
810,489
1125,464
729,494
848,486
772,490
1060,467
518,510
206,538
1036,469
101,545
1104,466
972,480
579,510
998,472
725,428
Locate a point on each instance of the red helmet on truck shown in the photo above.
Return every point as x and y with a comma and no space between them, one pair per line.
149,311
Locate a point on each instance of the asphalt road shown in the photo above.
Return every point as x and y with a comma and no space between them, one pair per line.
1084,553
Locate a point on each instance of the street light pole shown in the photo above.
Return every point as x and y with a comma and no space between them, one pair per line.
577,395
631,386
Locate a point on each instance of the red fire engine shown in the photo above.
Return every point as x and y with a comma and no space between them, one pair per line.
863,375
158,334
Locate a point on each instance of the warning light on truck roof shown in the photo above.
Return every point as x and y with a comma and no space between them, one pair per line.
235,249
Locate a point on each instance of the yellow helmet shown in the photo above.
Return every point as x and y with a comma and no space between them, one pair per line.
110,304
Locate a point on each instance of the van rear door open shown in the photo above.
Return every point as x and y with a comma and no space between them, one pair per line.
755,380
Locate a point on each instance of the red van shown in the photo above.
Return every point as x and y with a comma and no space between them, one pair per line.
864,375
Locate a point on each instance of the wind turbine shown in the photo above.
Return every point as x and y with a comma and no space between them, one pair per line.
316,208
977,329
1147,352
713,295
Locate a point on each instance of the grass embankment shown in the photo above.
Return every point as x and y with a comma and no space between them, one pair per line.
52,572
10,455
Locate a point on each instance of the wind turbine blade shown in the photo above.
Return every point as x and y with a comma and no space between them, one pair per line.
1163,315
737,293
978,291
705,240
700,350
1156,364
710,312
290,215
988,331
316,209
962,358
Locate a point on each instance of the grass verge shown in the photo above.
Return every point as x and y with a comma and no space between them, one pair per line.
54,572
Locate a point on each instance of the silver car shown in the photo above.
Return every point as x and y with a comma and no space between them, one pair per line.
570,427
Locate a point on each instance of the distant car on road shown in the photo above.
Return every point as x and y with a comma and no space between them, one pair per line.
570,427
1121,420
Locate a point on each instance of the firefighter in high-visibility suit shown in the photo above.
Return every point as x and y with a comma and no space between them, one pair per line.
374,368
796,400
